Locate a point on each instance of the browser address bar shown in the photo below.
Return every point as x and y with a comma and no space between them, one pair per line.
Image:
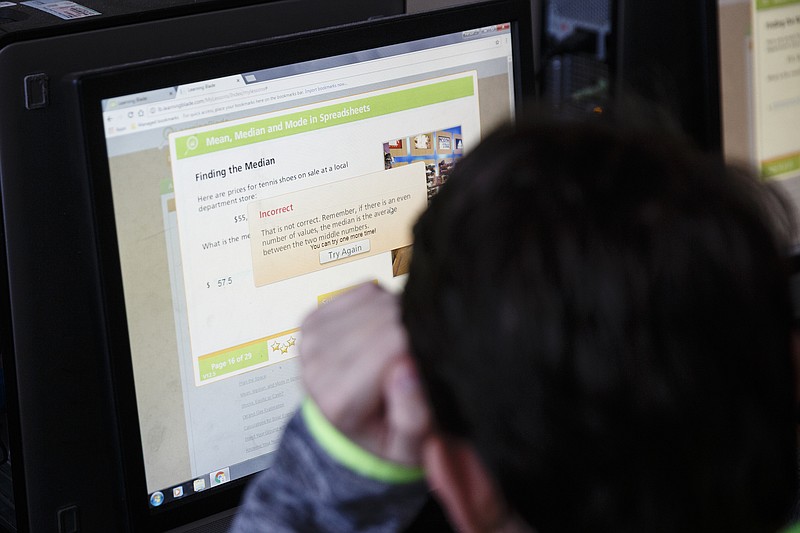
211,98
244,99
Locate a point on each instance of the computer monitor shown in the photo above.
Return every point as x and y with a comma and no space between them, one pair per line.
236,190
59,399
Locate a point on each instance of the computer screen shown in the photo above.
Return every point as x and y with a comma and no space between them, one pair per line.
236,192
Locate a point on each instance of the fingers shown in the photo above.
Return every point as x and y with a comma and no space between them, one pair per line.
356,367
345,349
352,320
407,413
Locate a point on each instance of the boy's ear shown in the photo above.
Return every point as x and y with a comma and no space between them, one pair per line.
463,485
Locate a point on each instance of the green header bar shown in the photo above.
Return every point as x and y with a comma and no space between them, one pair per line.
769,4
322,117
777,167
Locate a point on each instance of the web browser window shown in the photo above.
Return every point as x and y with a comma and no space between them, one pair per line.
242,203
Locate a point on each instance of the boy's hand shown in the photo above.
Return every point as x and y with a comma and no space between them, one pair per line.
357,369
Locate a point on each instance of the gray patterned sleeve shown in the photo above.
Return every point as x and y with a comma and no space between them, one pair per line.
307,490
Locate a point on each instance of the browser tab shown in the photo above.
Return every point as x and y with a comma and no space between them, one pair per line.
221,84
139,99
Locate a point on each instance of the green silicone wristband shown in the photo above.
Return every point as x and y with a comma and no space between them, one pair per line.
352,456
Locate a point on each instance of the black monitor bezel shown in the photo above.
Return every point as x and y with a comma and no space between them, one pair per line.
97,86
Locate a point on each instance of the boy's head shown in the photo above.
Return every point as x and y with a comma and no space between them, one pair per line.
603,318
